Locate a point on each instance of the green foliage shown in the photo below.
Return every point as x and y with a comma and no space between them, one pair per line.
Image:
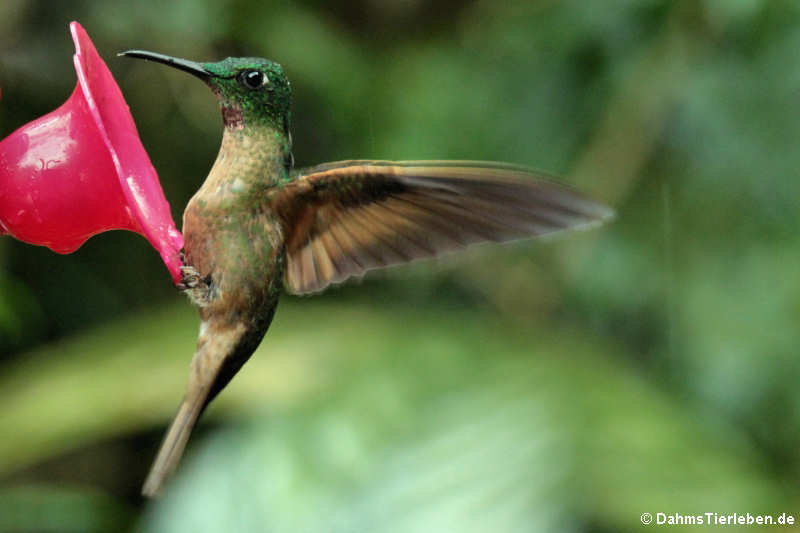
46,509
457,420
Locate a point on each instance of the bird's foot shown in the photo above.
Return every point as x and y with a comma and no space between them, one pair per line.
190,278
195,286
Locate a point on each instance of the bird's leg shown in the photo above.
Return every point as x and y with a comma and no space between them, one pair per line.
195,286
190,278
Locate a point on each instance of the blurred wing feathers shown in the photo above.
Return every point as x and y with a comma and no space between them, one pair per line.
342,219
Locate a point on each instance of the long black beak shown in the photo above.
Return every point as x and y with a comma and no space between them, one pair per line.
192,67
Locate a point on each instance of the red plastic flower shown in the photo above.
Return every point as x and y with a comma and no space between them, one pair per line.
81,170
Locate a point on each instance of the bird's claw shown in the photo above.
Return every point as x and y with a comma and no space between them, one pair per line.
195,286
190,278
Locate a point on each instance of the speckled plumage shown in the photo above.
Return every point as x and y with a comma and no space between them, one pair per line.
235,243
255,227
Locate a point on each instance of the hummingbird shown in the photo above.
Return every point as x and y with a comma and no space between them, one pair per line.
258,226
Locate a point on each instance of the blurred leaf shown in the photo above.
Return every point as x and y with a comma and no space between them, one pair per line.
466,430
45,509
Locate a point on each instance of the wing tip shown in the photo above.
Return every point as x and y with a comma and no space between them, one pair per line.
602,213
589,219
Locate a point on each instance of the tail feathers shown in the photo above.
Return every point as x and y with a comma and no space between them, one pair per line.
171,451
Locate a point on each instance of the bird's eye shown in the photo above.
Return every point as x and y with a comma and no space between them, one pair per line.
253,79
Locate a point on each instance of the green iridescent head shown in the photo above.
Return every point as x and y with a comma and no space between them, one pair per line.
252,91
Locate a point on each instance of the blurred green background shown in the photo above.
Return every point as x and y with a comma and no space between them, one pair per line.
569,385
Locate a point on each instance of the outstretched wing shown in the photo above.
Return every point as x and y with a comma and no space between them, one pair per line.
342,219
